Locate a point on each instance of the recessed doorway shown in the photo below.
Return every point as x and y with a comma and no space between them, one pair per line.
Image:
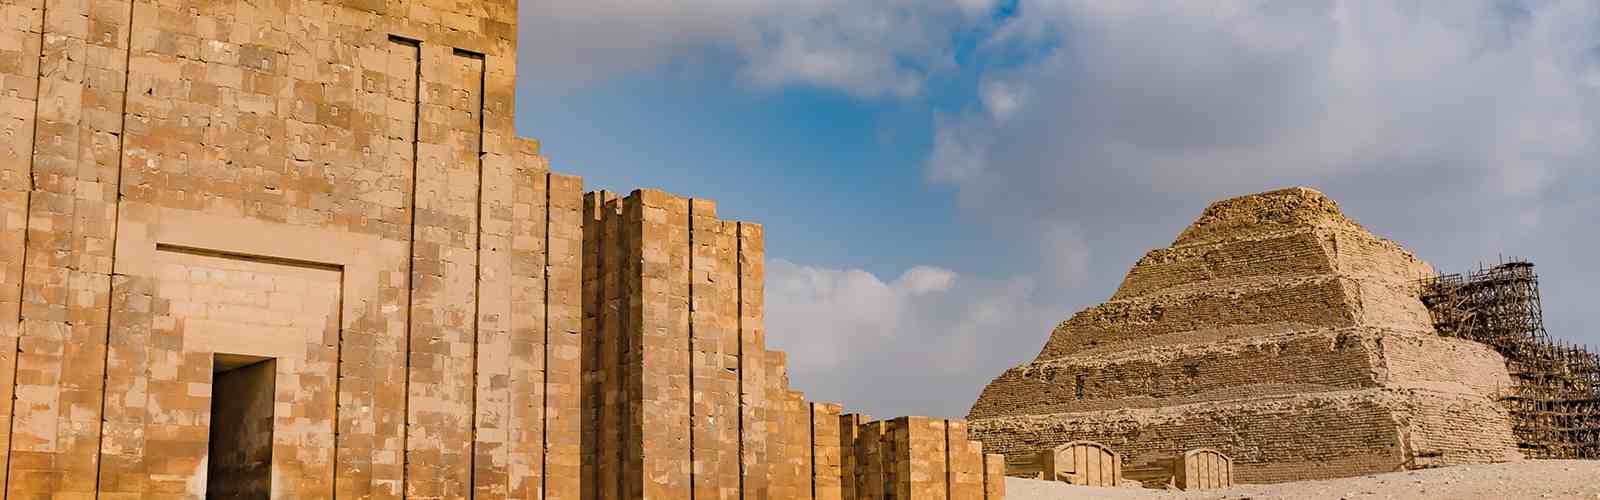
240,460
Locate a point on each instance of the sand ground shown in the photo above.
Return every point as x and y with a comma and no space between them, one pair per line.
1530,479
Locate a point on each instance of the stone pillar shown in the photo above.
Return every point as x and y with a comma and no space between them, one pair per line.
994,476
444,330
756,413
826,452
850,469
19,93
562,407
714,306
964,463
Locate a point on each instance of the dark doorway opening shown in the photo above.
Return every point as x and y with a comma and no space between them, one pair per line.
240,462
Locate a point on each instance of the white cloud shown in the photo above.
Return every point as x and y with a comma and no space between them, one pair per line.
1000,99
924,343
1063,250
922,280
1195,96
867,48
960,149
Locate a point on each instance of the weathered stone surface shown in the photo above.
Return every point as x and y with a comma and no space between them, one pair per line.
1274,330
337,186
680,384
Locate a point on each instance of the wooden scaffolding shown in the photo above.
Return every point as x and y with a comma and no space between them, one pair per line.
1555,395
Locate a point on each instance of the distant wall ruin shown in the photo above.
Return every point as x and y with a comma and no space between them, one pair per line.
674,348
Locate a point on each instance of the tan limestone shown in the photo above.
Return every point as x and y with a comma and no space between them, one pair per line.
1274,330
337,186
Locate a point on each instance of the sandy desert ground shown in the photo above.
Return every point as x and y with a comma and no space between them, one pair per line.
1530,479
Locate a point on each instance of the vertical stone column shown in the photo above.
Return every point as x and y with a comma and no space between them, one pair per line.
715,356
921,444
755,414
136,345
994,476
826,452
528,316
563,403
496,358
66,279
373,343
616,346
664,344
527,424
875,460
444,277
788,443
593,349
778,478
850,469
634,304
20,42
963,464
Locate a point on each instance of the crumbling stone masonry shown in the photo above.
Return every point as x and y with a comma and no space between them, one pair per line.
1275,331
331,193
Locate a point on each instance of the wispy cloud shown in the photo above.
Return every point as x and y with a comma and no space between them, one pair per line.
867,48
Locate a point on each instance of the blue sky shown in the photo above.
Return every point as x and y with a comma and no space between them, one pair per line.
944,180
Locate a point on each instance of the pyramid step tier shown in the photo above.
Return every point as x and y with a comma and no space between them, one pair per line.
1279,438
1271,306
1322,360
1295,252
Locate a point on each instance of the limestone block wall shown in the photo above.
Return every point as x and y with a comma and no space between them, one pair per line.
246,142
336,186
682,398
916,457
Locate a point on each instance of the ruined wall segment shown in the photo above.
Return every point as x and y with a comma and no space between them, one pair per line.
682,398
915,457
1273,329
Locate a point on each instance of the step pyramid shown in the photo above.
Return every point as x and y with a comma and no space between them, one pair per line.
1275,330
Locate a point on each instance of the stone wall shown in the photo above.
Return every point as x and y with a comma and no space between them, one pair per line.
916,457
336,185
683,386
